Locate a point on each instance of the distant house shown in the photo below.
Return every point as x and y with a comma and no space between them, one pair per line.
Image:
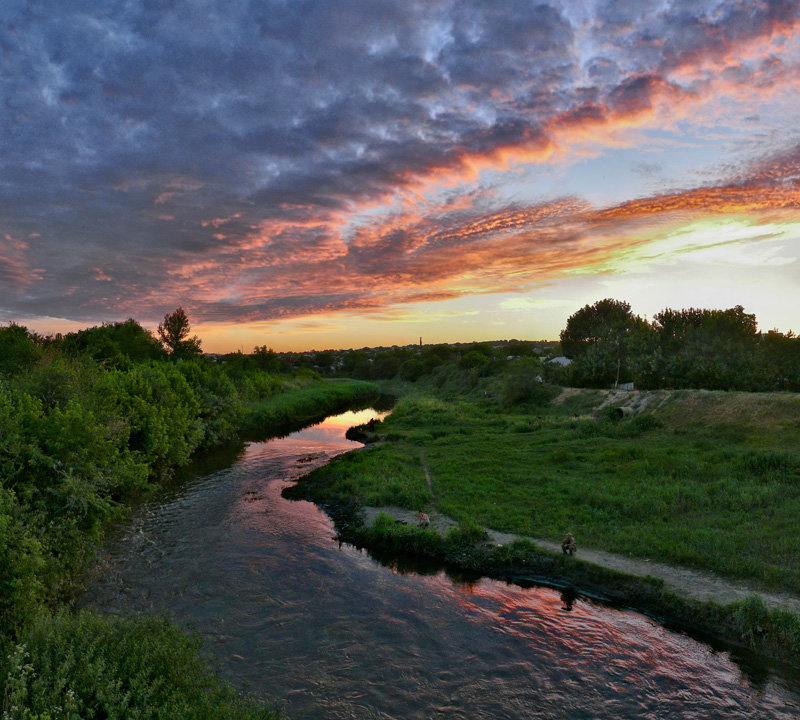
560,360
625,386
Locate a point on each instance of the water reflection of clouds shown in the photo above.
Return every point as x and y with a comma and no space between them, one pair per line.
632,650
333,428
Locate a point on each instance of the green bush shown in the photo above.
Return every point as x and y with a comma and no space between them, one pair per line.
18,349
523,384
466,533
221,410
261,385
22,560
163,413
85,666
389,535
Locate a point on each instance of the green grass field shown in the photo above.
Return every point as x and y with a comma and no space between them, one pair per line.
709,480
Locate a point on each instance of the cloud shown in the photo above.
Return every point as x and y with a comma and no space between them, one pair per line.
526,303
15,272
277,160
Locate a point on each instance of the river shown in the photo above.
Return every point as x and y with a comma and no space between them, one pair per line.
329,632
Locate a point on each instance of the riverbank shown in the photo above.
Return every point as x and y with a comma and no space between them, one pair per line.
702,478
327,630
680,581
58,664
765,623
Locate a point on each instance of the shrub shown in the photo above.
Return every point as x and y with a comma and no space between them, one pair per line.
467,532
76,666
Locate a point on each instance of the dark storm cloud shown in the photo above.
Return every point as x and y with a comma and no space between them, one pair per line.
147,143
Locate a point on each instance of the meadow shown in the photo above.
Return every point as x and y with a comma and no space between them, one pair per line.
702,479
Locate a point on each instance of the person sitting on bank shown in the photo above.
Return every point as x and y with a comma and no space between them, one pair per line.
568,545
424,520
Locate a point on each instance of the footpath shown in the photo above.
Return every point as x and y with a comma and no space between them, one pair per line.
689,583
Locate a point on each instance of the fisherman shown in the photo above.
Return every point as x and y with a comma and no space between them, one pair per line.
424,520
568,545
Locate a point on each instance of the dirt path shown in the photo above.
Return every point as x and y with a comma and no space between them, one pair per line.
692,583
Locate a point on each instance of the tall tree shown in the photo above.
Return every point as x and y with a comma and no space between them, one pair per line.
606,341
18,349
606,321
174,335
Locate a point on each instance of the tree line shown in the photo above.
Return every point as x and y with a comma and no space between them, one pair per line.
689,348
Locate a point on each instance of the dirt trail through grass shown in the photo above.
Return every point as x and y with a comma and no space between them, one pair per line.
692,583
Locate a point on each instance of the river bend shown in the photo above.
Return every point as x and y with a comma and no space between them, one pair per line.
328,632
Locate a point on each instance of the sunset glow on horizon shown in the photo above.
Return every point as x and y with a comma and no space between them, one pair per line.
334,175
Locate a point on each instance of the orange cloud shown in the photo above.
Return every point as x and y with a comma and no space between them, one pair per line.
402,243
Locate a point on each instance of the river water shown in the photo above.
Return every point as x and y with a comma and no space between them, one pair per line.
328,632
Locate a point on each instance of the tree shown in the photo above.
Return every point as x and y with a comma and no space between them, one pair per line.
18,349
714,349
174,335
608,343
269,361
606,320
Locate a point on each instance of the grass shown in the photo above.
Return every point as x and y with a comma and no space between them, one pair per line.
307,402
709,481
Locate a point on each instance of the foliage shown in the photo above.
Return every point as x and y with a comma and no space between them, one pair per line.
606,321
88,422
174,335
21,559
118,344
18,349
220,406
694,348
267,360
467,532
378,478
306,402
713,349
473,359
162,411
523,385
65,667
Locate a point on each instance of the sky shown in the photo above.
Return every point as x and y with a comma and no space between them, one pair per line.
332,174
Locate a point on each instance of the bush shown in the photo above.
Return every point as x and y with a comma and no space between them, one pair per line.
87,666
221,409
522,384
21,561
468,532
163,412
18,350
389,535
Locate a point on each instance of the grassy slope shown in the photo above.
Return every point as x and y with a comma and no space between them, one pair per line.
708,480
